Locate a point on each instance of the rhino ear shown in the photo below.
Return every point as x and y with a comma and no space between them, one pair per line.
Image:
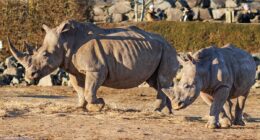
65,27
46,28
190,58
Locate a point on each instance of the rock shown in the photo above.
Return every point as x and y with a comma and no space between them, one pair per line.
205,3
117,17
10,61
5,79
130,16
204,14
144,84
254,5
2,67
256,58
11,71
256,19
173,14
65,81
46,81
215,4
15,81
192,3
196,13
231,4
218,13
256,85
164,5
98,11
181,3
120,8
99,18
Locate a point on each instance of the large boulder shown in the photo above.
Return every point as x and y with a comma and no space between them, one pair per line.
196,13
254,5
10,61
218,13
193,3
231,4
173,14
117,17
163,5
98,11
100,18
5,79
215,4
46,81
204,14
121,7
205,3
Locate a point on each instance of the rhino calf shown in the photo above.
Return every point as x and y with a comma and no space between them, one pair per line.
118,58
218,75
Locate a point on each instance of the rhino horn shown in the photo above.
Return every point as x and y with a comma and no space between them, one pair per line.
21,57
29,48
46,28
169,92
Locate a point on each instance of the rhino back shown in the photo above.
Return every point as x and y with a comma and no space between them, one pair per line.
241,66
129,57
230,66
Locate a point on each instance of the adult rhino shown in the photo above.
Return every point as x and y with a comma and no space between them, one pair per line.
118,58
217,75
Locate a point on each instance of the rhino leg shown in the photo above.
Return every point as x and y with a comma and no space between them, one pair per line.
239,110
78,85
92,82
224,119
161,101
219,99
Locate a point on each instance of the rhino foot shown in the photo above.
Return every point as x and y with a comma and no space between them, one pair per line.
211,125
97,106
159,105
239,122
225,123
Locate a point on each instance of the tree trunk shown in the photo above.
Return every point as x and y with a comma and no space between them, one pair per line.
136,10
143,11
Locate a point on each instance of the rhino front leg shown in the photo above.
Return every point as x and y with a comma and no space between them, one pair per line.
78,85
220,97
239,110
92,82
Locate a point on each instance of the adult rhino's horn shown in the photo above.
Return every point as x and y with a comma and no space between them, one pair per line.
21,57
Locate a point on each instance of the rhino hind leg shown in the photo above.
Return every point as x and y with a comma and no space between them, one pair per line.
239,110
224,120
92,82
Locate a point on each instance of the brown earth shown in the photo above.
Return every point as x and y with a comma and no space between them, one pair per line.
48,113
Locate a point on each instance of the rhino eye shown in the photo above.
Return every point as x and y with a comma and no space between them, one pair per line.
186,85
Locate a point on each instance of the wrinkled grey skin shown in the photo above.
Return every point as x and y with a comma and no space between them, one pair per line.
217,75
94,57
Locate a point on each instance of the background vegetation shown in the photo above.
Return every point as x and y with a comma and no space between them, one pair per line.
22,21
192,36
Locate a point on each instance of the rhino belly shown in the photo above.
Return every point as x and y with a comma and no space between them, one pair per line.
128,71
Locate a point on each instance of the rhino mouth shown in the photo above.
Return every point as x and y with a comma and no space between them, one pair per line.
179,105
32,81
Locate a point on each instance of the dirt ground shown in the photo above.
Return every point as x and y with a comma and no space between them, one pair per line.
49,113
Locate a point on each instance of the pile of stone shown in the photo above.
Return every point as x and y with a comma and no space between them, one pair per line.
204,10
12,73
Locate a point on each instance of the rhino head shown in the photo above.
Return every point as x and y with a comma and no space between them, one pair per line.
188,88
42,61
